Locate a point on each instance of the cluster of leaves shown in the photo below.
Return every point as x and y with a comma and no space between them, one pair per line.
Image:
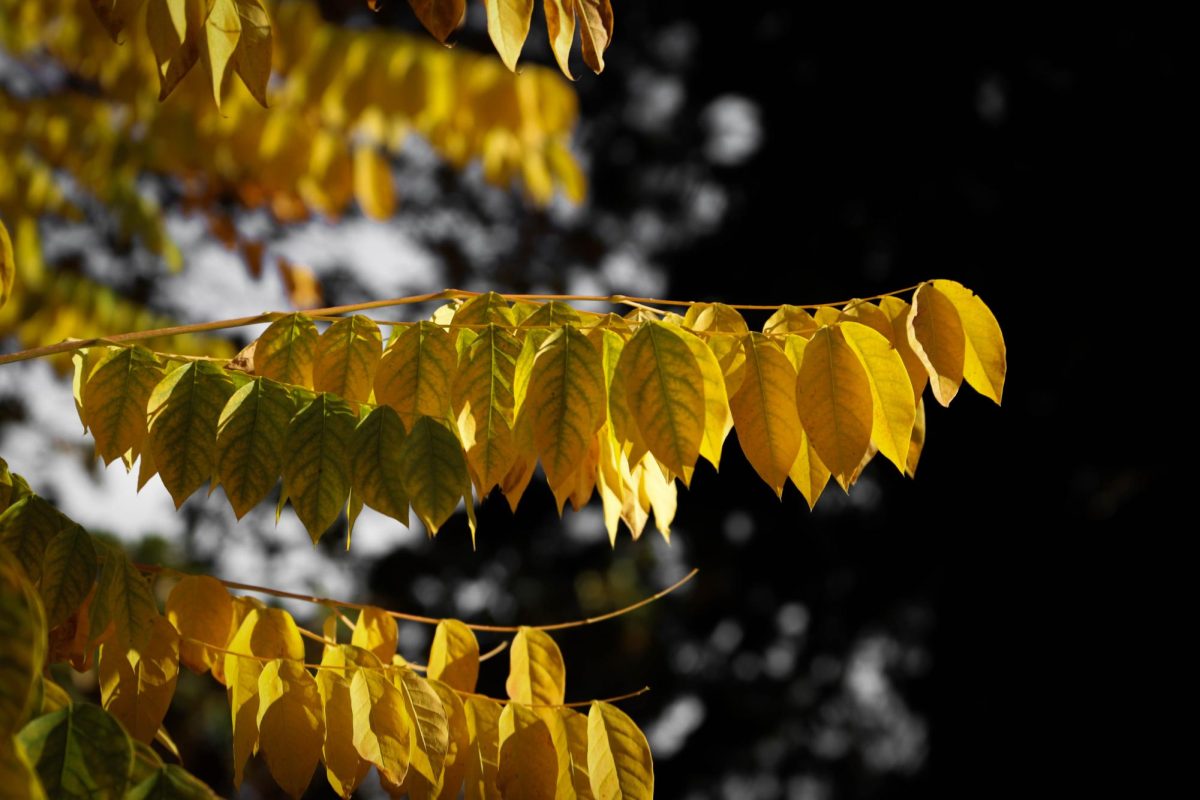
336,116
64,592
485,390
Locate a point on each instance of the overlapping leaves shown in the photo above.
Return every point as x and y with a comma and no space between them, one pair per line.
473,400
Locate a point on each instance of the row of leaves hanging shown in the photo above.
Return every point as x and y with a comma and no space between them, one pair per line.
65,593
488,389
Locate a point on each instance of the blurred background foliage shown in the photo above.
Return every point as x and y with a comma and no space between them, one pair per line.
893,643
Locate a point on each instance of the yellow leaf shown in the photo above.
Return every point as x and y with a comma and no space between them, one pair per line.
508,25
375,470
483,403
382,731
528,762
440,17
898,312
375,630
285,351
222,29
917,442
251,434
136,687
936,334
455,766
347,356
619,763
483,309
986,360
536,673
242,606
764,411
665,392
266,633
610,482
173,27
893,409
791,319
184,409
577,742
291,724
717,418
833,398
560,25
414,376
595,30
565,403
483,749
8,265
434,474
116,396
871,315
343,766
373,187
454,655
621,426
724,329
430,732
316,473
655,490
201,609
252,58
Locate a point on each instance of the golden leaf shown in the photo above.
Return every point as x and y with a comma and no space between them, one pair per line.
833,399
454,655
201,609
291,724
536,673
935,332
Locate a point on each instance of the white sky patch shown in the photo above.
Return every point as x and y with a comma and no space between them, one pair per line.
734,127
668,734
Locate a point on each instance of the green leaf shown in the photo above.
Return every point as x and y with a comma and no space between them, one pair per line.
375,471
435,473
171,782
79,752
184,410
16,773
12,487
348,354
483,403
115,400
415,373
565,403
250,439
316,474
664,390
8,265
27,527
23,633
285,350
69,569
124,597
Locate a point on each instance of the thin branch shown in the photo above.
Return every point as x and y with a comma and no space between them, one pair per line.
332,603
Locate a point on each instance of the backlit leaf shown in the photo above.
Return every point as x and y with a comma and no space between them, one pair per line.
440,17
23,631
528,761
173,28
985,361
560,25
619,763
375,630
348,353
764,411
251,433
117,394
222,29
69,569
898,312
291,724
252,57
576,725
430,732
136,686
893,409
536,673
434,474
344,768
26,528
201,609
723,329
595,30
483,749
833,398
936,334
124,597
454,655
484,405
375,469
79,752
382,731
373,186
717,418
454,767
414,377
286,350
316,474
8,265
565,402
664,390
508,25
184,409
170,782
